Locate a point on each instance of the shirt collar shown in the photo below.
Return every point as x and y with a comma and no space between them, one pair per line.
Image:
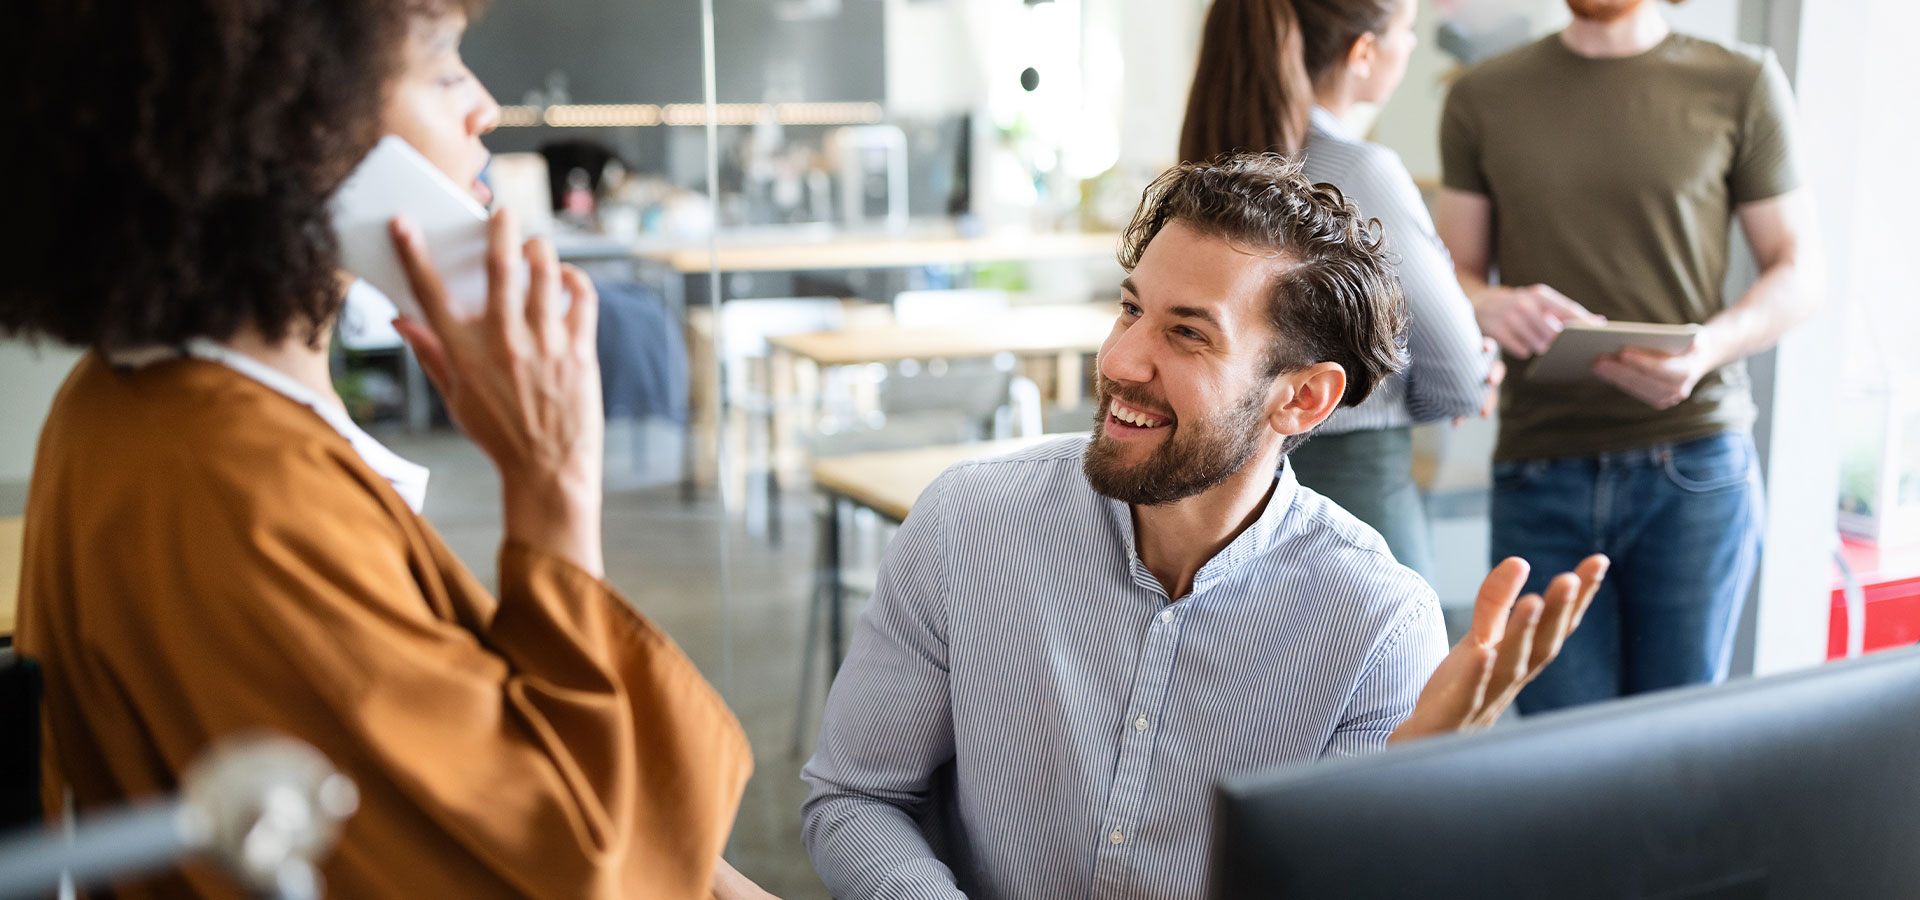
1323,119
1249,545
409,479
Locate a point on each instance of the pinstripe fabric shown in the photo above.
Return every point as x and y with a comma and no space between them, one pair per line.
1016,636
1447,373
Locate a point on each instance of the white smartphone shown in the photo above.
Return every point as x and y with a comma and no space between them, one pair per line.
392,180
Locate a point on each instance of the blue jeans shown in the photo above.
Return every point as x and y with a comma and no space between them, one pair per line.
1681,523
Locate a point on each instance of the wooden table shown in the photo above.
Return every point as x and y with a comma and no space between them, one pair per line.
10,549
888,482
825,248
1066,331
1076,328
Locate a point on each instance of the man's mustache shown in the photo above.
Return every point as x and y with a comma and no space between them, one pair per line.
1135,398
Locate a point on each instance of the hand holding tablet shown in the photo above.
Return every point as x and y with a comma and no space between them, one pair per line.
1571,356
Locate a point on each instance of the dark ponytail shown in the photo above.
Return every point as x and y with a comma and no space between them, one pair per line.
1259,61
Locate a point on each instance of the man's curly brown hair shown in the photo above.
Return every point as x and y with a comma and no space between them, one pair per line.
1339,302
177,159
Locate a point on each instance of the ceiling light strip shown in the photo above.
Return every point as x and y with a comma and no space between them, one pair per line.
647,115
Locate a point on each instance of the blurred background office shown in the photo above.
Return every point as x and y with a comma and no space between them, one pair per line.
844,243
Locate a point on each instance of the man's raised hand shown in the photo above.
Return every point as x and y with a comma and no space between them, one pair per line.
1509,644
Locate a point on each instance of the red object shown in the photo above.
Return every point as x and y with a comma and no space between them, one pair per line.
1890,579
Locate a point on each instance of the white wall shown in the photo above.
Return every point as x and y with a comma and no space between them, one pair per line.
28,379
1159,43
1856,98
934,63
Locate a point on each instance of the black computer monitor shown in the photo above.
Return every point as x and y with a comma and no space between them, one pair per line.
1795,786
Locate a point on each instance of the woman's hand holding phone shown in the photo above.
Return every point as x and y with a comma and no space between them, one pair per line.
522,379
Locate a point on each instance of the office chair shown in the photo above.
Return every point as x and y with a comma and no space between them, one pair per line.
19,741
266,808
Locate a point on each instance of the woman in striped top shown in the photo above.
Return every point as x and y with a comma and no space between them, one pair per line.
1281,75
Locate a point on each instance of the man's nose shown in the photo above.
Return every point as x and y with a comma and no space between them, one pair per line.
1126,357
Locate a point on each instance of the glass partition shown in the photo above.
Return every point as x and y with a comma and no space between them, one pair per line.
600,147
913,264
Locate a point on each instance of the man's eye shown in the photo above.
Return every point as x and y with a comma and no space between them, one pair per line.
1129,309
1189,333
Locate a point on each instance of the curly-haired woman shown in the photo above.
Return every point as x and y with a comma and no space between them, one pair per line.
213,547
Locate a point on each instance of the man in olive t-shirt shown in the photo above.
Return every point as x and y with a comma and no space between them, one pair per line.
1598,172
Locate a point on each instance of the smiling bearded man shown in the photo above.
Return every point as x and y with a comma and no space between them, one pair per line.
1069,645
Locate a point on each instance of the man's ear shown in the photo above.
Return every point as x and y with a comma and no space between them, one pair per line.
1302,399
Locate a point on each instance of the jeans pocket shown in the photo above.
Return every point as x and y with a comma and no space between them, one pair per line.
1714,464
1516,474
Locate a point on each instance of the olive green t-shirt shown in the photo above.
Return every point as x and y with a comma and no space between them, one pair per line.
1614,181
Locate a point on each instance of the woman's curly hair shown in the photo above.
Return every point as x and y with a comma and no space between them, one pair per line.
178,157
1340,302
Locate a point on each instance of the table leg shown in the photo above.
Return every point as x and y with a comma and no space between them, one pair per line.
835,584
777,394
1071,381
673,284
816,599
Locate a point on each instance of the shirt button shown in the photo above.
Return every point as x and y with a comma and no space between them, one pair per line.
1116,838
1140,724
1166,615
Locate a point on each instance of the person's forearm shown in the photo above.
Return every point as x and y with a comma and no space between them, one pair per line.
1451,384
862,848
1446,376
560,515
1475,286
1785,295
729,884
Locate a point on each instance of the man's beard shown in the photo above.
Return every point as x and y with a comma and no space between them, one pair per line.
1604,11
1196,456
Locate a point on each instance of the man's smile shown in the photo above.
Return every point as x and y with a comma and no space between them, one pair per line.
1123,421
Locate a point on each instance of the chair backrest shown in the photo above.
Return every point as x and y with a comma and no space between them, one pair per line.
973,387
745,325
19,741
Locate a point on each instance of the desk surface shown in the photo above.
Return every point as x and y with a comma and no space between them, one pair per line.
10,534
888,482
1022,331
884,252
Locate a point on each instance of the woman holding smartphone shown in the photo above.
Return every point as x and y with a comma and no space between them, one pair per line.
212,546
1285,75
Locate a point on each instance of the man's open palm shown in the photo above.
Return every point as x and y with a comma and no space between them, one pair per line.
1509,643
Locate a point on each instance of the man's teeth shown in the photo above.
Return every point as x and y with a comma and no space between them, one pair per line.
1132,418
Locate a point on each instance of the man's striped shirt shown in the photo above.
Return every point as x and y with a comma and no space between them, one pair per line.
1021,678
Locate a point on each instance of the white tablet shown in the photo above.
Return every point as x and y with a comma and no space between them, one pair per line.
395,179
1570,357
